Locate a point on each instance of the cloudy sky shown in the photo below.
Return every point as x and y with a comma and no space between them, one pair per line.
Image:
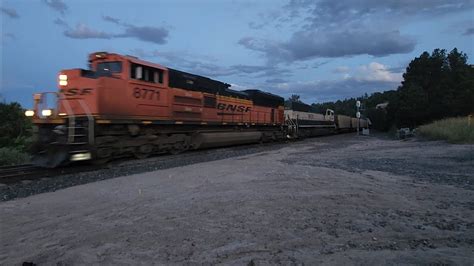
320,49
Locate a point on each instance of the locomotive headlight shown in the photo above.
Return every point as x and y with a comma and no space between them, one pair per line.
29,113
47,112
63,80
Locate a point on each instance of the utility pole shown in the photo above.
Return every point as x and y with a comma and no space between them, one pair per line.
358,116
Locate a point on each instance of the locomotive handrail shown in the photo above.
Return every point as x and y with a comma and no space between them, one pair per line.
90,119
61,100
292,124
71,118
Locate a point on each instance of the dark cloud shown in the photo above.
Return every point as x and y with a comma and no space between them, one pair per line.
341,70
398,69
10,12
57,5
156,35
329,90
249,69
201,65
6,38
273,50
275,81
314,44
213,70
82,31
111,19
469,31
274,71
9,35
256,26
319,64
345,12
184,61
330,29
306,45
357,81
60,22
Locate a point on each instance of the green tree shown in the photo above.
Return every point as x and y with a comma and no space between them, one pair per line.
294,98
14,125
435,86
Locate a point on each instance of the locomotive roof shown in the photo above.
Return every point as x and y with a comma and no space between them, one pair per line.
134,59
181,79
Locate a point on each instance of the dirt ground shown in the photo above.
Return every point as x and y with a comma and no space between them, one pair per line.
333,200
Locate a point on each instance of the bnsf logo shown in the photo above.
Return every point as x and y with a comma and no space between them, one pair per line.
74,92
232,107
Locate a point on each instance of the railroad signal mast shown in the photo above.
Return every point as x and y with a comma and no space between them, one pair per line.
358,116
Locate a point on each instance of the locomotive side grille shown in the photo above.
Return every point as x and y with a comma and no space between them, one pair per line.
187,100
186,115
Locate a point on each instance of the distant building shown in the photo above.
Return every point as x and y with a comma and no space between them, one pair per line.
382,106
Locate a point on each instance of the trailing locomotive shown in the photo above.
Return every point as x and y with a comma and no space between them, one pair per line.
303,121
123,105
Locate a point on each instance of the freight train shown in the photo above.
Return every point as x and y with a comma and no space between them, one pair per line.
124,106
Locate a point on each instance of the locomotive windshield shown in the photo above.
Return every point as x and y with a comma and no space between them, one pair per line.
107,68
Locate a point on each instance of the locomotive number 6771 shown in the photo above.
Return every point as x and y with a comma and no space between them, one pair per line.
146,93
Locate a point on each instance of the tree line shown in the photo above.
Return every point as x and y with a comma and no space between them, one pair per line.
434,86
15,127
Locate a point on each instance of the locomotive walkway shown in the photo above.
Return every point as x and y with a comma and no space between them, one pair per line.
336,200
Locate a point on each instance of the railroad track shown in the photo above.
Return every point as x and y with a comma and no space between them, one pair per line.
18,173
26,172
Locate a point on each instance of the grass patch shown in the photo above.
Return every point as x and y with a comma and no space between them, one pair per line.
12,156
454,130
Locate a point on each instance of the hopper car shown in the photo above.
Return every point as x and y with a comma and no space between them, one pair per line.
122,106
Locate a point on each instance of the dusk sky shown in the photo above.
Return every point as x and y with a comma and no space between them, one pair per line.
322,49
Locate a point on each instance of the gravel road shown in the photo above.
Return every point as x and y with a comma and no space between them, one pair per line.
342,199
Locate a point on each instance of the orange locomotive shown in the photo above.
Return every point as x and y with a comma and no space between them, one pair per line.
123,105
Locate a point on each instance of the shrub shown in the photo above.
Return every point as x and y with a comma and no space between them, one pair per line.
12,156
454,130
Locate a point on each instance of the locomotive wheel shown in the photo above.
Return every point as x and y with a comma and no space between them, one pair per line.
179,148
140,155
144,151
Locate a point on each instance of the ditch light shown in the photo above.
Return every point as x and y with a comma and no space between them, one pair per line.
29,113
46,112
81,156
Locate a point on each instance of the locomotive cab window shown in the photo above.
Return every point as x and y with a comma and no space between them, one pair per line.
107,68
146,73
